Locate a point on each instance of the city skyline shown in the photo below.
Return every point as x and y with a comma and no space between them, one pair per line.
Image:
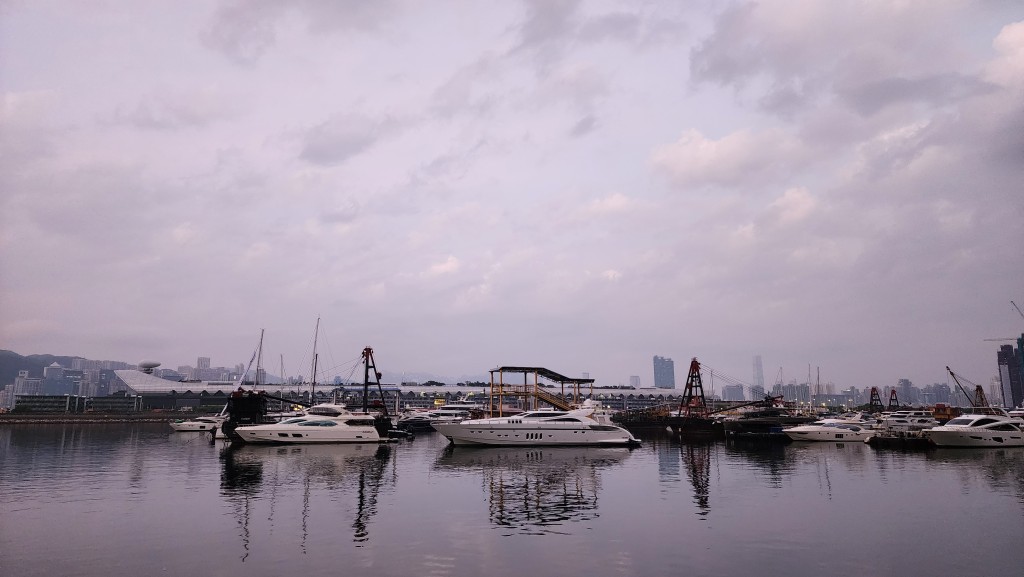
563,184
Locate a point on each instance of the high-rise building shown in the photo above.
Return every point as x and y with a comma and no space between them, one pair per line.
758,373
733,393
1009,359
203,363
664,373
634,381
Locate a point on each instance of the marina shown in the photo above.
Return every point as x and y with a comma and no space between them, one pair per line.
425,506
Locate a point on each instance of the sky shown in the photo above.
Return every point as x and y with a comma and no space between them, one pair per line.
461,185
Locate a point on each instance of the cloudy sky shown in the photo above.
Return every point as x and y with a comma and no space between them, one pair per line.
467,184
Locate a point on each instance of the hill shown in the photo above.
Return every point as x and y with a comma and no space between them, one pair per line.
11,362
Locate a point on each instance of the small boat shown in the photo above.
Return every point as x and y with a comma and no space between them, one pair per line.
206,423
840,432
983,427
198,424
324,423
540,428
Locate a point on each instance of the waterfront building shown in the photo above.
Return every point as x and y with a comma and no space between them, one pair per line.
634,381
664,373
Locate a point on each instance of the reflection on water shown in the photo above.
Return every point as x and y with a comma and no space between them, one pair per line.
697,457
536,490
344,473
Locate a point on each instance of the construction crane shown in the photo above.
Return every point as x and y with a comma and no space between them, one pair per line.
1018,309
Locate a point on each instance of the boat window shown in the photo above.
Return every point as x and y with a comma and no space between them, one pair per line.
564,420
317,424
1004,427
960,421
603,428
985,421
293,420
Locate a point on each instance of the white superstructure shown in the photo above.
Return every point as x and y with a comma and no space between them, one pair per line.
840,432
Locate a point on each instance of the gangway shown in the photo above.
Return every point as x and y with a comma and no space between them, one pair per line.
533,391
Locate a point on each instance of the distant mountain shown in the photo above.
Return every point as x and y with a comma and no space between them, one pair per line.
11,362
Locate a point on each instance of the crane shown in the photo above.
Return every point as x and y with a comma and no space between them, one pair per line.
1018,309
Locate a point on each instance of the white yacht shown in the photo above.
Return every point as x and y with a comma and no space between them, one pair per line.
859,418
908,420
841,432
987,427
324,423
449,413
539,428
199,424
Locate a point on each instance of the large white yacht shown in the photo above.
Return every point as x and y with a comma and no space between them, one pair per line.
987,427
539,428
840,432
449,413
325,423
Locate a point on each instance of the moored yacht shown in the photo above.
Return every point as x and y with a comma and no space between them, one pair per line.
539,428
206,424
908,420
987,427
324,423
841,432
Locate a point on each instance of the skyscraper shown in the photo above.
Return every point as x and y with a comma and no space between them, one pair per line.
1010,375
758,373
664,373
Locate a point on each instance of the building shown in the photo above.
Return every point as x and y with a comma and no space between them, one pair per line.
664,373
634,381
733,393
1010,365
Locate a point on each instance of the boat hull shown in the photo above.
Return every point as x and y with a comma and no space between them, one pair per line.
528,435
275,434
824,436
194,426
974,438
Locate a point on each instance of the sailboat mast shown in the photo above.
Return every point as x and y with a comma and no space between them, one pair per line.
316,334
259,361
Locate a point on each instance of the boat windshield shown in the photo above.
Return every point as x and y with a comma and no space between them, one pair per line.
960,421
293,420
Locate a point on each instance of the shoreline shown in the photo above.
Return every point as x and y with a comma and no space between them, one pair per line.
92,418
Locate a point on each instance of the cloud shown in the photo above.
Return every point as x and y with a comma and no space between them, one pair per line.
743,157
170,110
334,141
449,266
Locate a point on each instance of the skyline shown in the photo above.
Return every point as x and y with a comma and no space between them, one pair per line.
462,186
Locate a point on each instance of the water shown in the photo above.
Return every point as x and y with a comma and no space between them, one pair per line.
102,500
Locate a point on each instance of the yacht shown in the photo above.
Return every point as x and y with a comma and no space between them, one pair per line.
540,428
819,431
199,424
987,427
324,423
859,418
450,413
908,420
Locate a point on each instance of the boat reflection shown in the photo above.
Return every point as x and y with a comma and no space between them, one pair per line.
696,456
536,490
286,479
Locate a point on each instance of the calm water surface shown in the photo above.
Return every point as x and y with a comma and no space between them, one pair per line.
102,500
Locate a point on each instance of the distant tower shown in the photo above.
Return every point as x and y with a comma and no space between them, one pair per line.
203,363
664,373
758,373
634,381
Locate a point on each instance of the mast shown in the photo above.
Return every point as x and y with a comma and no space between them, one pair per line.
259,361
312,378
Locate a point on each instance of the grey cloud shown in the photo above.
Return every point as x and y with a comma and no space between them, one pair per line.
869,97
617,26
339,139
244,29
583,126
169,112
